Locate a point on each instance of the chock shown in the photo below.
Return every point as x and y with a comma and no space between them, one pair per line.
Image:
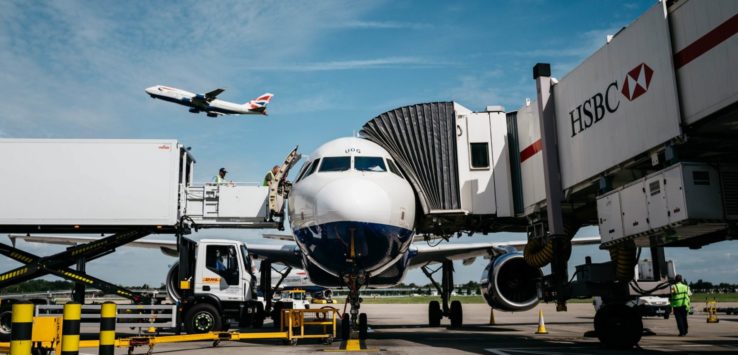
541,323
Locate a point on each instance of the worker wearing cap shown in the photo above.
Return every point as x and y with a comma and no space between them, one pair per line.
220,178
680,304
270,175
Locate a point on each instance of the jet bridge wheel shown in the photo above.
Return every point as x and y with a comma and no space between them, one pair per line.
456,315
434,314
618,326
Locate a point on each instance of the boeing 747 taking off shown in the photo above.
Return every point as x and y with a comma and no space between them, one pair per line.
208,103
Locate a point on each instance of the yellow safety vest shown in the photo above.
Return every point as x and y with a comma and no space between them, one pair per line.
679,295
268,178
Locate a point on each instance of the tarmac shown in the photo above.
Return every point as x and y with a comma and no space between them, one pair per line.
402,329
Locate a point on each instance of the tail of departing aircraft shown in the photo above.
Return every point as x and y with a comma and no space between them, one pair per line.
260,103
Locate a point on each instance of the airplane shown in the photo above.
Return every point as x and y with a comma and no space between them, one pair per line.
352,213
208,103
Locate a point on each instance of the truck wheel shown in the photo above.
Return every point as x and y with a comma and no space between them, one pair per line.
434,314
277,315
457,315
618,326
202,318
5,322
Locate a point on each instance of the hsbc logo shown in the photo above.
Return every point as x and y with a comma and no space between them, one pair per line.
636,82
599,105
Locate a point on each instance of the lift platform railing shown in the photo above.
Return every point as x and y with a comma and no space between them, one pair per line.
139,316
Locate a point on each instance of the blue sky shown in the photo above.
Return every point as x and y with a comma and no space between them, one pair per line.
78,70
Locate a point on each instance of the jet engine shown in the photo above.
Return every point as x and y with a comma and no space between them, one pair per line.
510,284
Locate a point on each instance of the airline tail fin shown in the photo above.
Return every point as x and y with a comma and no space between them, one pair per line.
260,103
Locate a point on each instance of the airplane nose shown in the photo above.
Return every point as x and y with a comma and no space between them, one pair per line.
353,200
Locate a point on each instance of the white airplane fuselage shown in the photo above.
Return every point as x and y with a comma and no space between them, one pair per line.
212,107
352,215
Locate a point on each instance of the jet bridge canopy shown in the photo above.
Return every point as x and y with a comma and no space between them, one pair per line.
422,139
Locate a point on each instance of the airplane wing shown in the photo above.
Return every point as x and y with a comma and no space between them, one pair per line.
213,94
425,254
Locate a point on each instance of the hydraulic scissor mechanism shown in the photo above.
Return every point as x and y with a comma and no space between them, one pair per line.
437,311
58,264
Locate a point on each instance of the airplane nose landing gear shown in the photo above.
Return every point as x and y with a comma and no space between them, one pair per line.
354,320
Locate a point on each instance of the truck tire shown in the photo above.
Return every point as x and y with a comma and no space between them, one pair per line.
5,322
202,318
257,319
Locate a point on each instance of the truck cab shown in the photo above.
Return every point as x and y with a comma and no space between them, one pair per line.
214,284
224,271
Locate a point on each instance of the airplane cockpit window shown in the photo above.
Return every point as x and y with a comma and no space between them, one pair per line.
375,164
222,260
304,169
335,164
393,167
312,168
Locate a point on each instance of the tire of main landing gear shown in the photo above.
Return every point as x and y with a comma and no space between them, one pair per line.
345,326
457,315
363,326
434,314
202,318
618,326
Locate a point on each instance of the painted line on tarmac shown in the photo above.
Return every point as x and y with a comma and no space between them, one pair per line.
509,351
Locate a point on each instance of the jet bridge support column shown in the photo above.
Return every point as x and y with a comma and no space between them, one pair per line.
552,177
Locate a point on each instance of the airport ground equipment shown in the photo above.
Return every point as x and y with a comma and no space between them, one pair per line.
129,189
47,333
639,139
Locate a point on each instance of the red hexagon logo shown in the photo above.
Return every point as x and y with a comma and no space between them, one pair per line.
637,81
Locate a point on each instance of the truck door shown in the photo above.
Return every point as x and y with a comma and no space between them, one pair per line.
221,273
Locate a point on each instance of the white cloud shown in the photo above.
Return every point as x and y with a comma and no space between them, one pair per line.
375,63
389,25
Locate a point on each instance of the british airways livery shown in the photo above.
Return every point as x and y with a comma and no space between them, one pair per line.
208,103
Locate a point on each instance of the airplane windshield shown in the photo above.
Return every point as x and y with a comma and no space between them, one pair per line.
335,164
375,164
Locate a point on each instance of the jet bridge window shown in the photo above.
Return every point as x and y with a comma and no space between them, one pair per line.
335,164
479,155
222,260
375,164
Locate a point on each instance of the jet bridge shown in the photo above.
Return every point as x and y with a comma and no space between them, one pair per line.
457,161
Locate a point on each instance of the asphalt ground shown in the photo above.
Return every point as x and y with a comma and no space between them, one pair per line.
402,329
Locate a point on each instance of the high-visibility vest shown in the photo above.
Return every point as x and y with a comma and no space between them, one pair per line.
218,180
268,178
679,295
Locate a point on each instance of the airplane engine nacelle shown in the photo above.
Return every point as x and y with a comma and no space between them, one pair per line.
510,284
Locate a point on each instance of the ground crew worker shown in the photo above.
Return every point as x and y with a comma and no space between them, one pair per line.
680,303
270,175
220,178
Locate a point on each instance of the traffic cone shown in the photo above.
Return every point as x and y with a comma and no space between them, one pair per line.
491,316
541,323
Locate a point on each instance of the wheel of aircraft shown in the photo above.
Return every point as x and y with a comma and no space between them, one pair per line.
345,326
456,315
434,314
618,326
363,326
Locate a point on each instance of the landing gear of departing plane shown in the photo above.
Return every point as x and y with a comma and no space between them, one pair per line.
435,311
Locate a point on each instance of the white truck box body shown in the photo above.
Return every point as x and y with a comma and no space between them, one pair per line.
620,102
89,182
